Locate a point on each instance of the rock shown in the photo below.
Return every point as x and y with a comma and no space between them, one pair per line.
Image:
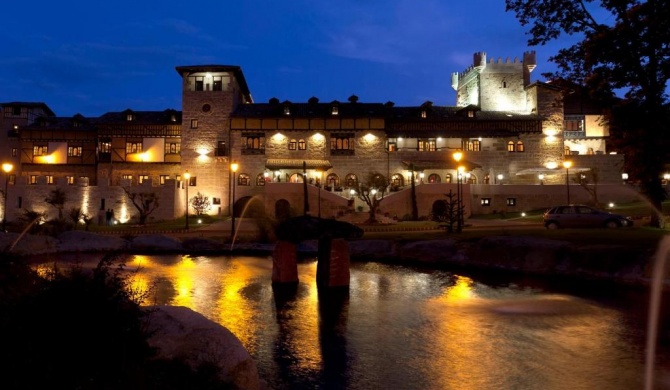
155,242
179,332
81,241
522,253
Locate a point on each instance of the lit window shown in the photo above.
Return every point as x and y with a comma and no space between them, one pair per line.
423,113
472,145
130,117
143,178
486,201
520,147
243,180
69,180
40,150
302,145
260,180
253,143
392,145
194,123
163,178
511,201
287,110
427,145
74,151
335,110
342,144
292,145
49,179
510,146
105,147
15,152
172,148
133,147
33,179
471,114
192,181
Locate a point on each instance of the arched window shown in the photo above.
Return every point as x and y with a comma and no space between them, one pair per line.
243,180
510,146
260,180
471,179
566,151
448,178
296,178
333,180
520,147
487,179
589,151
302,145
397,180
292,144
433,178
351,181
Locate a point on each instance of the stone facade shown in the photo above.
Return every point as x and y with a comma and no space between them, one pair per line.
511,132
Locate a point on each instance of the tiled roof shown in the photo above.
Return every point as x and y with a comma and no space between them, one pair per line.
296,163
30,104
141,117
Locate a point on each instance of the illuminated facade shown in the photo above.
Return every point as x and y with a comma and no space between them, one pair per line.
512,131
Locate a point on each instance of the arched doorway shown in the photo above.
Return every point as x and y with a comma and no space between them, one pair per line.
282,210
434,178
296,178
438,210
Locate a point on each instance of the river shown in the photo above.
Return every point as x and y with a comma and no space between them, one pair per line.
399,327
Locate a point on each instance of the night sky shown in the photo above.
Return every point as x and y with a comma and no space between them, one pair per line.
90,58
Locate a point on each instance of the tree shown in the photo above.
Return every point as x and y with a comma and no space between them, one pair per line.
57,199
631,52
371,191
200,203
145,203
75,215
589,182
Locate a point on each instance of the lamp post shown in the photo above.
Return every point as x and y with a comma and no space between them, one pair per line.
457,157
187,182
7,167
567,165
233,167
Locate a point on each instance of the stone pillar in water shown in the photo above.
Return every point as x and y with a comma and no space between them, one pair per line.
285,262
332,269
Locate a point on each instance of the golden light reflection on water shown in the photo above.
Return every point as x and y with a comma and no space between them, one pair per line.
233,310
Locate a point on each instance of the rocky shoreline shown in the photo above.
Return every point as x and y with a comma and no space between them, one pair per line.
523,254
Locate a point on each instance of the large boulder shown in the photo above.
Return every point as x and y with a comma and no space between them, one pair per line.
81,241
181,333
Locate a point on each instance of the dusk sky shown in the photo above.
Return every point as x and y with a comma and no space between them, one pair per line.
91,58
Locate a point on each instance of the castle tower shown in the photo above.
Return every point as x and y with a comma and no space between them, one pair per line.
209,94
496,85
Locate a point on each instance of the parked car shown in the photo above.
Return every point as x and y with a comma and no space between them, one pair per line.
582,216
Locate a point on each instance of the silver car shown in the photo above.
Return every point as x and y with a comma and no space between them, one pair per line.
581,216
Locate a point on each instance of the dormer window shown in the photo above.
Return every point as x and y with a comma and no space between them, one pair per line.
335,110
287,110
130,117
173,118
423,114
471,114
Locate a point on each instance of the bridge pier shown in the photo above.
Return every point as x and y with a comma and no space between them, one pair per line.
285,262
332,269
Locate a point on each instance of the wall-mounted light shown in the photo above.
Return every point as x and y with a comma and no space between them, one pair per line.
551,165
369,137
318,137
624,176
202,151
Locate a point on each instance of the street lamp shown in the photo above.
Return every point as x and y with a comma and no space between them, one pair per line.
7,167
500,178
233,167
187,176
459,188
567,165
541,177
457,157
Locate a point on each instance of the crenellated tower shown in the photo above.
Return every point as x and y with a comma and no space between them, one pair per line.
495,85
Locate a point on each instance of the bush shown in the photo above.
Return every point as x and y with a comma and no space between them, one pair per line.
80,329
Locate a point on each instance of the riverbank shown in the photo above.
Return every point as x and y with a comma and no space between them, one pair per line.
616,262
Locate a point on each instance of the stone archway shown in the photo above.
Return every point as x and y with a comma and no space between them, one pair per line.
282,210
439,208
